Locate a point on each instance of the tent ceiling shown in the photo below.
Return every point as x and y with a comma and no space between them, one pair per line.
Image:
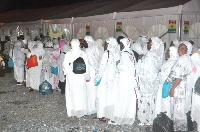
84,9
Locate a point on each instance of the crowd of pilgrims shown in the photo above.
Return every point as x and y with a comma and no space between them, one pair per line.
123,79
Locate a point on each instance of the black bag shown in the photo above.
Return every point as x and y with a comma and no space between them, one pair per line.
162,123
197,87
79,66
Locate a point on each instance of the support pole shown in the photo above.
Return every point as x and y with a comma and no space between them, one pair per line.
179,27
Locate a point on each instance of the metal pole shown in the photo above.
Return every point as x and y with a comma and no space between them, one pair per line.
179,27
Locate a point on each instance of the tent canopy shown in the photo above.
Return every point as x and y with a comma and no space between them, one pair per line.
98,7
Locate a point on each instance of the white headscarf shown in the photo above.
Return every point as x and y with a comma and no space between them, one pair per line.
100,43
157,46
142,40
189,47
173,52
176,43
127,44
92,52
113,47
90,41
112,43
137,47
39,50
76,50
31,44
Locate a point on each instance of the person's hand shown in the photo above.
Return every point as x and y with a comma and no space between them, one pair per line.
140,57
87,80
40,57
29,50
171,93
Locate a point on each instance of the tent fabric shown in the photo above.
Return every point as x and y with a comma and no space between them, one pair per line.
92,8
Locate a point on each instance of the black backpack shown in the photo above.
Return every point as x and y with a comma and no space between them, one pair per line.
79,66
162,123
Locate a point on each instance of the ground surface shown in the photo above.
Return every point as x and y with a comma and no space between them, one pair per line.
24,111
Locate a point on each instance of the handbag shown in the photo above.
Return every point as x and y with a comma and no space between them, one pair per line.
54,70
32,61
162,123
10,63
166,88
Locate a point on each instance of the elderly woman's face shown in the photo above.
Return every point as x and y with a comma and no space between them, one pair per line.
182,49
149,44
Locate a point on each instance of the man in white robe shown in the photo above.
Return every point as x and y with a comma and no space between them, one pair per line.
75,89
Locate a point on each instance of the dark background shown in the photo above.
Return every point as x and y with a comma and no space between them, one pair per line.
8,5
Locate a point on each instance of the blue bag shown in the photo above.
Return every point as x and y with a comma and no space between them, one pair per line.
166,88
54,70
99,81
45,88
10,63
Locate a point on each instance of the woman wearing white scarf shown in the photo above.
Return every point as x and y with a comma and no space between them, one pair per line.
35,72
181,87
142,40
195,111
147,70
75,89
107,75
93,55
125,98
18,59
163,104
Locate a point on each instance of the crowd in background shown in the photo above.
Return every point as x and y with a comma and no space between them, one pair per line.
123,79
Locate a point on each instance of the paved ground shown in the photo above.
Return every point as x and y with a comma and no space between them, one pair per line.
24,111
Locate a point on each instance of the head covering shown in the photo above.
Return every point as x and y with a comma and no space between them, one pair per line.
196,60
137,47
31,44
127,44
173,52
76,50
112,43
176,43
18,44
89,40
61,44
39,49
157,46
99,43
189,47
142,40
